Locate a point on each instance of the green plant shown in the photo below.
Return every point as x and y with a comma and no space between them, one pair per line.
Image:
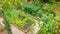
6,23
45,14
24,17
19,18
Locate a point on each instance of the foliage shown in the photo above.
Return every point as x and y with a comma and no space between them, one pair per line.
41,9
6,23
19,18
45,13
30,9
49,25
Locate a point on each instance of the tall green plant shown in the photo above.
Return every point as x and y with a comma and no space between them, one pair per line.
6,23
